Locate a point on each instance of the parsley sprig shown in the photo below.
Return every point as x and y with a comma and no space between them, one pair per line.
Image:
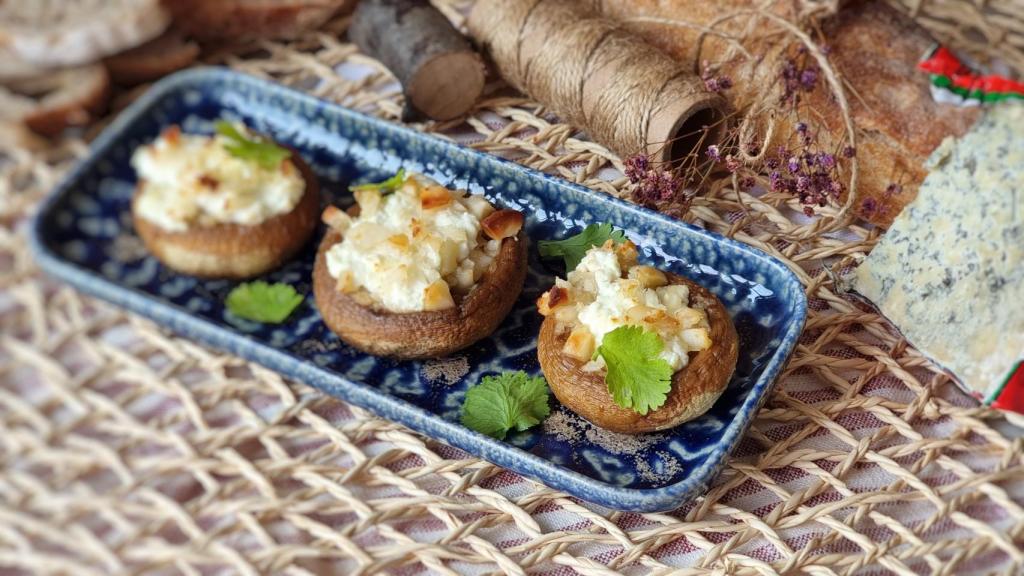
263,302
573,248
506,401
255,149
386,187
638,379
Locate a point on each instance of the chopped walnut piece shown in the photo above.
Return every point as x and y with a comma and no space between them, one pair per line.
336,218
433,197
502,224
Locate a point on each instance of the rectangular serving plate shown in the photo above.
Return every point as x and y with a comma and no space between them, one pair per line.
83,235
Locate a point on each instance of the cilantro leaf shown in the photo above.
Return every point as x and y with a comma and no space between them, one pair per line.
262,302
637,378
501,403
386,187
259,150
573,248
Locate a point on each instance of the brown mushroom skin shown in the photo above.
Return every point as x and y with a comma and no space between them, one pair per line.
236,251
412,335
695,387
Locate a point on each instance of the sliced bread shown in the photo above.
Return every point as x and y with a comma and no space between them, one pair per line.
51,102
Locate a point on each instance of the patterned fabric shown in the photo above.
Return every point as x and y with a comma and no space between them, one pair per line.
124,448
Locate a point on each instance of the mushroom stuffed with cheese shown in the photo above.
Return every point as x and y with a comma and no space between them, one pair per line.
231,205
633,348
419,271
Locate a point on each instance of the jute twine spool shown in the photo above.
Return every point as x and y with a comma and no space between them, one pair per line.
622,91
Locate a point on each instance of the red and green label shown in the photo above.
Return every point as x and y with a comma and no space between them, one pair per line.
1010,396
955,83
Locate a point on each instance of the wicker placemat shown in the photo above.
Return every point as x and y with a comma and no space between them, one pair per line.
126,449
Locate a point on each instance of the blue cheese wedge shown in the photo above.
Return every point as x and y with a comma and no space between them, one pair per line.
949,273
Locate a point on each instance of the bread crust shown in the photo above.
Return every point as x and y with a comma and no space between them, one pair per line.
695,387
71,97
79,32
249,19
157,58
431,334
236,251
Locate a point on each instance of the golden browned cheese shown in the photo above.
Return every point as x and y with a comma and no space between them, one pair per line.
872,46
695,387
422,334
236,251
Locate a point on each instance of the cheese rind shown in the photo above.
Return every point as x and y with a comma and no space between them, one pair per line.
949,273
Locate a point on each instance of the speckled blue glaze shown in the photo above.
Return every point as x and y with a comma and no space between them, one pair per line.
83,235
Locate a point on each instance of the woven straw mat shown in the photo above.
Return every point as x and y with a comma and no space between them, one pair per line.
125,449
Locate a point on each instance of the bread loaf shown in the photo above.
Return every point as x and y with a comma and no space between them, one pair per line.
53,101
165,54
247,19
875,50
65,33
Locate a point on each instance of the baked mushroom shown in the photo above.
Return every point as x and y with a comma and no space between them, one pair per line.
608,290
234,205
421,271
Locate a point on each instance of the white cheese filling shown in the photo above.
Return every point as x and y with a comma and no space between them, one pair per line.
192,180
411,249
603,296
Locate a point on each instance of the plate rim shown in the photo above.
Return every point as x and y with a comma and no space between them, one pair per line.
387,406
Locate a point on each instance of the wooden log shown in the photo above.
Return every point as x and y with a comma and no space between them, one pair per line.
441,75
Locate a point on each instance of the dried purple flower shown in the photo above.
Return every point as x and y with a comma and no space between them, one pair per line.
868,206
746,183
809,78
636,167
808,211
657,186
801,127
793,164
826,160
717,83
893,188
803,183
714,153
797,78
732,164
849,152
772,163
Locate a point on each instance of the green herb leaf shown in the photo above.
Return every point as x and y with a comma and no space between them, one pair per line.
262,302
573,248
386,187
259,150
637,378
501,403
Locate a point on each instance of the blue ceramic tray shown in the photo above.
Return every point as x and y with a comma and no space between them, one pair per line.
83,235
